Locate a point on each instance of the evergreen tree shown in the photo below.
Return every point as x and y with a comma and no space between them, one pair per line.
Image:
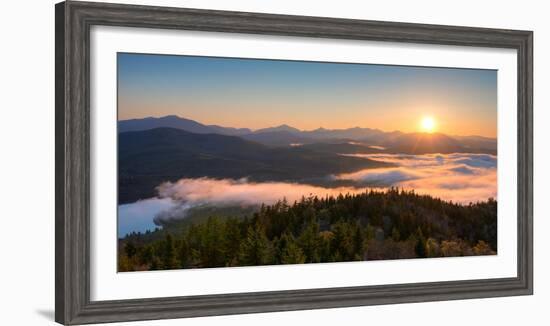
130,249
256,248
184,254
291,253
232,241
309,242
145,255
342,228
420,247
168,258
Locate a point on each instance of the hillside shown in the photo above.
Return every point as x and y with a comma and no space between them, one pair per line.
278,138
284,136
423,143
172,121
368,226
343,148
150,157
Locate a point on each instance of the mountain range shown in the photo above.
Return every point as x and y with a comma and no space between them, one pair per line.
146,158
365,140
173,121
156,150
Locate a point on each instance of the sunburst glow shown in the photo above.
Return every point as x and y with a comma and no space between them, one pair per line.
428,124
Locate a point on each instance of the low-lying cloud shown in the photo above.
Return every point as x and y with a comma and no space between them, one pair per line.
461,178
458,177
225,192
176,199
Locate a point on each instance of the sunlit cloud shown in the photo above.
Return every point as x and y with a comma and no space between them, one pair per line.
377,147
228,191
461,178
458,177
187,194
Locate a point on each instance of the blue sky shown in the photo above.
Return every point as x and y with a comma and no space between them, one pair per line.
261,93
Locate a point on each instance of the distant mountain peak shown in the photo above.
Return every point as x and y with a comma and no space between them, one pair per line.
284,135
283,127
172,116
177,122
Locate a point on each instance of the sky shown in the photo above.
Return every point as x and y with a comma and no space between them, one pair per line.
259,93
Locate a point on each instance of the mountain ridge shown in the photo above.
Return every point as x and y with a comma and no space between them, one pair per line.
174,121
282,127
149,157
285,135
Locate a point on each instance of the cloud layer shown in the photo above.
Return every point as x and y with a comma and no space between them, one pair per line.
461,178
176,199
224,192
458,177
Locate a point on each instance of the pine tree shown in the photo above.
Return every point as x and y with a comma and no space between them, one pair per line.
168,258
309,242
130,249
420,247
291,253
256,248
184,254
314,229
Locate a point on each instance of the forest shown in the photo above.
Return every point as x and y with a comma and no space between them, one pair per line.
373,225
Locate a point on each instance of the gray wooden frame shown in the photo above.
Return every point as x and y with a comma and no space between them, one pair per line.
72,140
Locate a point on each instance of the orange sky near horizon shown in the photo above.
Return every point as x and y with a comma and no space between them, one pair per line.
248,93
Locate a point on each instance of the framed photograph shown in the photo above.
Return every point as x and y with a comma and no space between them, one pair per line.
215,162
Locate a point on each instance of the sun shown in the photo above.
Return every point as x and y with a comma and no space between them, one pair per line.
427,124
